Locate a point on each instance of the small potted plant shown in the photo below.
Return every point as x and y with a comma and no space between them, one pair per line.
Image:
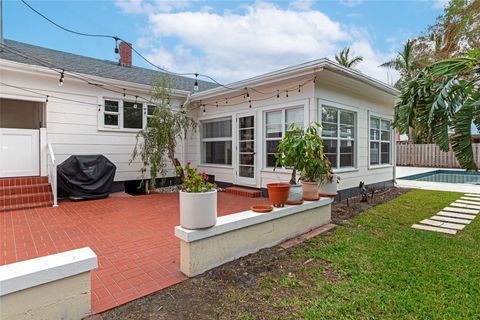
198,200
290,155
328,184
315,165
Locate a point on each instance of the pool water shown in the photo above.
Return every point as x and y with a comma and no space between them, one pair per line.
448,176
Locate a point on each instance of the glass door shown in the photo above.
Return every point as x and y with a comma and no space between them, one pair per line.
246,150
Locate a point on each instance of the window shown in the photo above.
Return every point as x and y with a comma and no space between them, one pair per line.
338,134
150,112
380,140
132,115
217,141
111,113
276,124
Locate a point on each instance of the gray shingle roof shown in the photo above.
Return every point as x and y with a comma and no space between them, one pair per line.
95,67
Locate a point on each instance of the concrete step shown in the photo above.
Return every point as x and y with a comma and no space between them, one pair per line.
450,219
456,215
460,210
441,224
434,229
244,192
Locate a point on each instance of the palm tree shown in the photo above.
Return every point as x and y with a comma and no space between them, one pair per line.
443,100
405,62
344,59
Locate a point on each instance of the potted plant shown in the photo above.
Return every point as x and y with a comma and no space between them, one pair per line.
278,193
290,155
198,200
315,164
328,184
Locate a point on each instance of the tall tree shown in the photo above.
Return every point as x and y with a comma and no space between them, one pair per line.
444,101
155,144
345,60
404,62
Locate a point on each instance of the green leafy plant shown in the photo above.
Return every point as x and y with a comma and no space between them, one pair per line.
302,150
155,144
195,181
291,151
444,101
345,60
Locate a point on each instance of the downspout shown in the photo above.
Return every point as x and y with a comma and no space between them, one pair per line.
184,139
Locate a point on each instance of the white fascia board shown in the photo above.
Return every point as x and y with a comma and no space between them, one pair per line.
29,273
297,71
131,86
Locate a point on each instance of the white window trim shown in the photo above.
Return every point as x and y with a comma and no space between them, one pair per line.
371,114
120,128
202,140
339,169
117,113
283,110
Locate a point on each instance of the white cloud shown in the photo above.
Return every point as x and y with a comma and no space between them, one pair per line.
263,37
440,4
151,6
351,3
302,5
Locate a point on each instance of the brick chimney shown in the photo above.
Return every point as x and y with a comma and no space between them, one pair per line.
125,50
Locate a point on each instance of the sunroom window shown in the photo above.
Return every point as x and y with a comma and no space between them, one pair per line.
338,134
380,141
217,141
276,124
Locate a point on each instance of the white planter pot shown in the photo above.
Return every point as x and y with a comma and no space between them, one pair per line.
198,210
329,188
295,194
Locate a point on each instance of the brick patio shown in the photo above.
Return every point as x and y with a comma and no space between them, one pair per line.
132,236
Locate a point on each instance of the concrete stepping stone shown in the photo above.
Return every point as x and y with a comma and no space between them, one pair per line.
472,195
464,205
455,215
450,219
435,229
468,202
471,199
441,224
460,210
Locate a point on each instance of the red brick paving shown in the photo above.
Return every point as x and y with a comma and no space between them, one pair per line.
133,238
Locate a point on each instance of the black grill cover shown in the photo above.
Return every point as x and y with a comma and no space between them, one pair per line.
86,177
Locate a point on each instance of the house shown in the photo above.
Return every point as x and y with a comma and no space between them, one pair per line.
80,105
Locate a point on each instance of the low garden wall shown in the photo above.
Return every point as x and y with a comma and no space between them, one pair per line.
242,233
51,287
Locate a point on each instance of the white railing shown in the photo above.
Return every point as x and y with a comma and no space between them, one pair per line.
52,173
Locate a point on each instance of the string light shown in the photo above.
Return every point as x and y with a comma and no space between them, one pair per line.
195,86
116,46
299,88
135,104
250,104
203,108
46,100
216,103
124,94
226,100
62,76
278,93
286,93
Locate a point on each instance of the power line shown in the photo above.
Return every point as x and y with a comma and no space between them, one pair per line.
116,38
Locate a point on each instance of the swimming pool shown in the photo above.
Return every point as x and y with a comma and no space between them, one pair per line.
447,176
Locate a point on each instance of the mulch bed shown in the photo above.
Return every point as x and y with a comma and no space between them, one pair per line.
226,291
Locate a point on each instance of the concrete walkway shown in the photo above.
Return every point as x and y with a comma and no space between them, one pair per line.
453,218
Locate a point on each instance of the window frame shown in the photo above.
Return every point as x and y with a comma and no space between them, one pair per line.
115,113
338,138
380,141
283,126
217,139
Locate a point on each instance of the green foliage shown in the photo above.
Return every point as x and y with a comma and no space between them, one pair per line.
302,150
345,60
443,100
195,181
155,144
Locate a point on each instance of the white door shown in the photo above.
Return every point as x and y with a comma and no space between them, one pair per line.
246,150
19,152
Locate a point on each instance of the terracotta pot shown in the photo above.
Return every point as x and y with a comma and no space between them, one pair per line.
310,191
198,210
328,189
278,193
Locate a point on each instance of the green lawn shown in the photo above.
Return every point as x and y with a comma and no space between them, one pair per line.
376,267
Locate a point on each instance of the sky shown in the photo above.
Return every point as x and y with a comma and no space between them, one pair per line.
228,40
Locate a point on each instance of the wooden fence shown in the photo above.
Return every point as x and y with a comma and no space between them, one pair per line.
430,155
